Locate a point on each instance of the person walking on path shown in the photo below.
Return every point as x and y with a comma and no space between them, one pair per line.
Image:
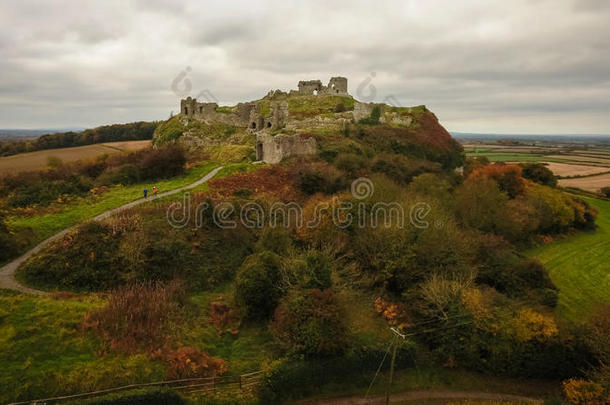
154,191
145,193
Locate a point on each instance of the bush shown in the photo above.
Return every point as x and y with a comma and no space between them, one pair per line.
162,163
257,285
137,316
318,267
606,191
473,163
125,175
291,379
351,163
508,177
310,323
320,178
539,173
82,260
402,169
274,239
43,187
554,210
328,154
514,276
8,245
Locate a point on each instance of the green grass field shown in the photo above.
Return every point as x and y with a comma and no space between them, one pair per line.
580,266
82,209
513,157
47,353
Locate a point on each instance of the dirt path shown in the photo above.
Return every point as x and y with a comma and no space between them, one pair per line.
7,272
441,395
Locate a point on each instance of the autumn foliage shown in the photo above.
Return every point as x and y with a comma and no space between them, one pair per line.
583,392
275,181
189,362
393,312
508,177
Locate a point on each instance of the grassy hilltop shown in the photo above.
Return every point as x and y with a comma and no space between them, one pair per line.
135,298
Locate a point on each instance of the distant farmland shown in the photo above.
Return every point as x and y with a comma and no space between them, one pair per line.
586,169
39,159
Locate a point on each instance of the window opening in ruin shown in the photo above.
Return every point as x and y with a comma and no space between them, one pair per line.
269,125
259,151
254,125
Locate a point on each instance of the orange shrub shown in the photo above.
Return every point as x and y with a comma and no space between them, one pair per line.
508,177
190,362
393,312
583,392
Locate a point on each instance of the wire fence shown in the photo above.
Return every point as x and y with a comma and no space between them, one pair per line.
241,384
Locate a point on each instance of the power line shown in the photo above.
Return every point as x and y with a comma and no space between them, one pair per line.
379,368
394,343
428,321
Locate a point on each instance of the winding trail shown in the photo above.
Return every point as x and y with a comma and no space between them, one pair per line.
7,272
429,395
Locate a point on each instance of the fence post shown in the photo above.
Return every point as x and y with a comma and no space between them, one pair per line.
240,387
214,384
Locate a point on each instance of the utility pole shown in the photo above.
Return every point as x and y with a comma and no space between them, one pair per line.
397,334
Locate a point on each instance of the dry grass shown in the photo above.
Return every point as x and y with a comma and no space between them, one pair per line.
137,316
39,159
568,170
593,183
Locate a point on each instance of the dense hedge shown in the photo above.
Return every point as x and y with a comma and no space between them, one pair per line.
291,379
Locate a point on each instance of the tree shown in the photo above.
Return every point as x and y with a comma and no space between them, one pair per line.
508,177
473,163
257,285
480,204
539,173
310,323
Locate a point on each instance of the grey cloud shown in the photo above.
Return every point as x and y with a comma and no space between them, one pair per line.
478,67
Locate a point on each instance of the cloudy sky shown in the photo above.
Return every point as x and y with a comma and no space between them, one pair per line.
519,66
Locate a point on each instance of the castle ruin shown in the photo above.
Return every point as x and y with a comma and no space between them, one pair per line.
336,86
268,114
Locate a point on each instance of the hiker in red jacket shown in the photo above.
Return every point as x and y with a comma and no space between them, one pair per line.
154,191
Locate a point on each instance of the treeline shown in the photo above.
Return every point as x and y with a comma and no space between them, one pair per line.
107,133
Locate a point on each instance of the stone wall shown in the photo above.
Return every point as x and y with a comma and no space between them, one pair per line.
273,149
